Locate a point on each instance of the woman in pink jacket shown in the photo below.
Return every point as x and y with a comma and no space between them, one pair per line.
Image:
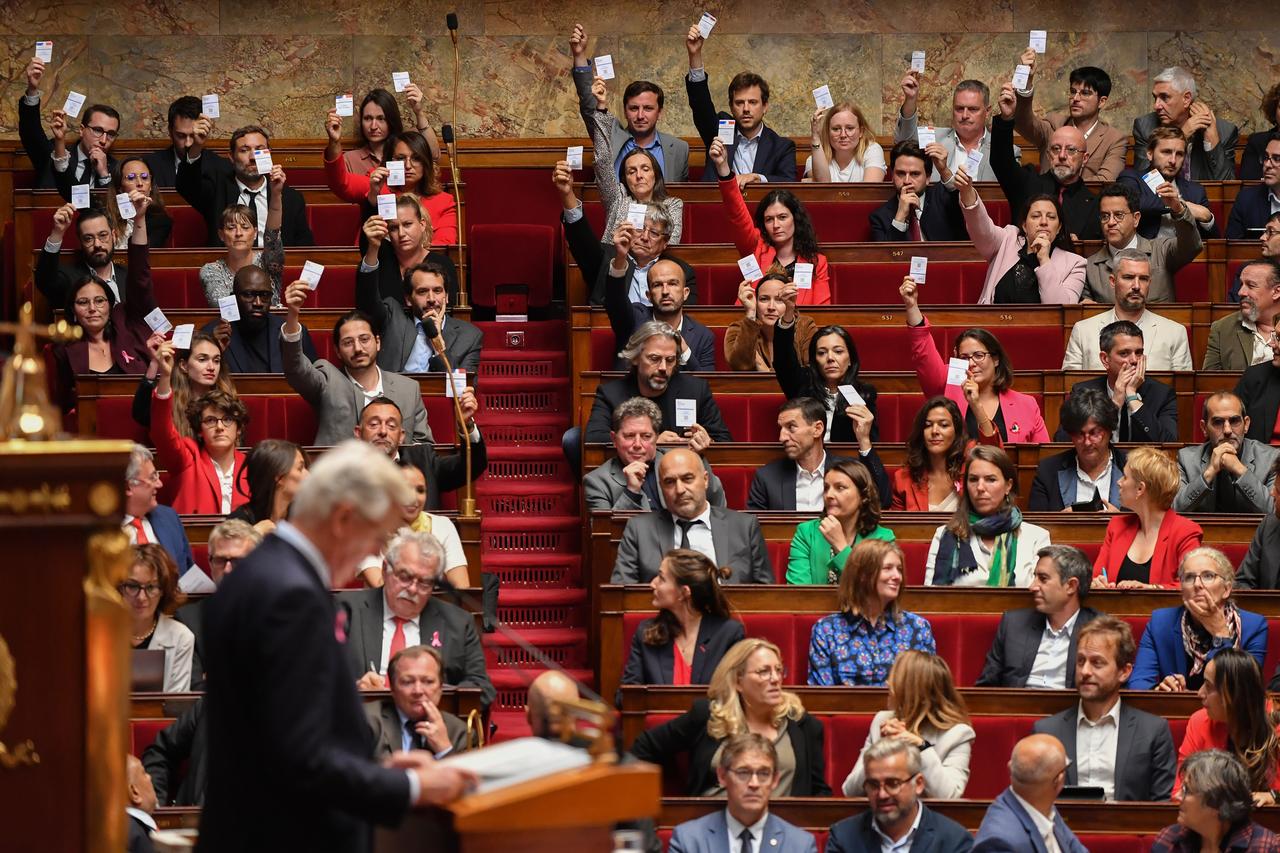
1031,264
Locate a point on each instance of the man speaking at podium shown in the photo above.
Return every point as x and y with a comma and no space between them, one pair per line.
289,746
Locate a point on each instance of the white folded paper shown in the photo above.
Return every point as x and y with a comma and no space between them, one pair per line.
211,106
74,102
707,24
686,412
80,196
803,276
345,105
822,97
750,268
919,268
400,80
311,272
604,67
725,133
229,308
574,155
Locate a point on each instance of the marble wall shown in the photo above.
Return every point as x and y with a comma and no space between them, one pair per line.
281,64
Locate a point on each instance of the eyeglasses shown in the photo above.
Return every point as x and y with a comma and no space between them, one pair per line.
255,295
746,774
765,673
95,301
102,132
652,234
211,421
133,589
1273,159
221,562
656,360
1114,217
977,356
1268,233
1069,149
136,176
1205,578
424,584
890,786
154,478
1081,92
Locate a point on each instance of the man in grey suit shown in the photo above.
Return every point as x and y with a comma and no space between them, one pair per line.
629,480
748,772
1228,472
1023,817
410,718
1241,340
1211,141
726,537
642,101
339,394
1036,647
1114,746
1260,568
970,104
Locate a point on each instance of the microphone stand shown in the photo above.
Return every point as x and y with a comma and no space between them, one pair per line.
467,508
455,173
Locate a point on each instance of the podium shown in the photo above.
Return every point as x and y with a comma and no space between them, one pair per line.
574,810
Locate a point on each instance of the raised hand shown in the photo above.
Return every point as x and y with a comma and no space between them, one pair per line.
333,126
1008,101
747,296
62,219
375,231
601,90
578,45
35,73
58,125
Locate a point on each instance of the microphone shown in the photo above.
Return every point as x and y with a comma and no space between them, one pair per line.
451,20
447,133
433,335
467,507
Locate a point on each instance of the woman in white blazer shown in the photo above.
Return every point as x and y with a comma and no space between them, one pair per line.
152,594
925,710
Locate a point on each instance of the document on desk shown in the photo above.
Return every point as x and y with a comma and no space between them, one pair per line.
516,761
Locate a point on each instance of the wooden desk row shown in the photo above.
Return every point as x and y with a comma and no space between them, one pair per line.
160,706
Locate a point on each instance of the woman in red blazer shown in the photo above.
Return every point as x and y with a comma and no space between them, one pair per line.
1143,548
204,473
936,447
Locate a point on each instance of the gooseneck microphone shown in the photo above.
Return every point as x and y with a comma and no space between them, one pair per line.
468,503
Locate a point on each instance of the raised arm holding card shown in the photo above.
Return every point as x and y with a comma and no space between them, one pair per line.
970,103
403,243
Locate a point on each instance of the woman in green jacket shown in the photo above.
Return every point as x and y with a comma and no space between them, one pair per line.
852,506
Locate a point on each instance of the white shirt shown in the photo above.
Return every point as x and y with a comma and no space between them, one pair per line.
1096,749
132,532
1049,669
1261,349
412,634
699,534
1085,485
872,158
226,479
1044,825
53,247
142,817
735,830
918,212
744,152
370,395
260,202
903,844
810,485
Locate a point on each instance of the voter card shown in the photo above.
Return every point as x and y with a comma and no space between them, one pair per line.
182,336
44,51
574,155
926,135
1155,180
311,272
125,206
725,134
262,162
395,173
917,61
455,383
707,24
971,163
802,278
686,412
345,105
957,371
919,268
822,97
604,67
210,106
851,394
636,214
400,80
387,206
750,268
156,320
80,196
1021,76
1039,41
229,308
75,101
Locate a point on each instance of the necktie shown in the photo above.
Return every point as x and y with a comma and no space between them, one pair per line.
746,840
252,203
1061,190
684,531
142,533
415,740
397,640
913,230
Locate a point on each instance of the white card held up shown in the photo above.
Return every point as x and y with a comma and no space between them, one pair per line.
917,61
400,80
686,412
1154,179
182,336
822,97
229,308
455,383
707,24
387,206
345,105
972,161
74,102
125,206
919,268
604,67
725,134
262,162
1021,76
636,214
574,155
926,135
79,196
44,51
803,276
957,371
750,268
211,106
311,272
851,395
1039,41
395,173
157,321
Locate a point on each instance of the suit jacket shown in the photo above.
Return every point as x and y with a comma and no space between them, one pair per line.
1177,536
941,218
1249,213
1167,254
1260,568
209,185
184,741
273,637
54,280
1162,653
675,151
1153,210
338,402
246,350
656,664
1020,184
1230,346
1105,146
139,837
626,316
936,834
39,150
1013,652
907,128
682,386
448,472
606,487
1007,828
775,155
1250,160
710,834
1155,422
1259,389
1254,488
191,614
1164,341
172,536
774,485
446,627
588,251
192,484
1216,165
1054,488
163,165
737,538
384,722
1145,761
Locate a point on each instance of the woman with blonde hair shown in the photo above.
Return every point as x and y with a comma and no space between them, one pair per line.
844,148
745,695
926,711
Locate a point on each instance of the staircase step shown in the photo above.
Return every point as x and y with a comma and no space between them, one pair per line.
527,499
535,571
531,395
566,647
525,609
511,464
511,535
523,364
532,429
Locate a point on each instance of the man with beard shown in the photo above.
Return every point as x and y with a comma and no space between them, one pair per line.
1238,341
1228,472
1167,152
252,343
1089,90
1255,203
1119,213
1270,251
918,210
94,255
1130,280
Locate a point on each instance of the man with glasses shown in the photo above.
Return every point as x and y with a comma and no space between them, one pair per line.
1255,205
1243,339
252,343
1260,568
896,819
1270,251
94,255
1090,88
404,613
748,772
147,521
1167,155
1023,819
1227,473
87,162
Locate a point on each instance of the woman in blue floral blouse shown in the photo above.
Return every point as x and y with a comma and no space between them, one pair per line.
858,645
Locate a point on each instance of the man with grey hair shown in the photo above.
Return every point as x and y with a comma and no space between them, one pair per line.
1240,340
1022,819
653,352
1211,141
274,638
1215,810
230,541
404,613
146,520
970,103
1227,472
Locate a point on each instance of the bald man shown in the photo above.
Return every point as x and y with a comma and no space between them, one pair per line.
142,803
726,537
551,686
1022,819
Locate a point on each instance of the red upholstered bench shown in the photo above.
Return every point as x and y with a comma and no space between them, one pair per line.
335,224
1191,283
189,230
142,733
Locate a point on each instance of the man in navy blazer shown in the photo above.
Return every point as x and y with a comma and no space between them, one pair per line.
748,772
1023,816
1255,204
146,520
88,161
1166,154
1093,465
254,342
934,207
893,814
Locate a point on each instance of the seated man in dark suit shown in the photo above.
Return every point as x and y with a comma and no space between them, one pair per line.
252,343
410,718
210,184
1260,568
229,541
94,255
1166,153
1089,473
653,352
163,162
757,152
1211,141
1114,746
726,537
894,814
183,743
1270,246
918,210
1036,646
1255,203
1148,409
89,161
404,613
142,803
146,520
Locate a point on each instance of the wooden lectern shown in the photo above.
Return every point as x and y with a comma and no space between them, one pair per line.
574,810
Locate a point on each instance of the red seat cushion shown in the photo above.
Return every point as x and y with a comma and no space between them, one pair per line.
994,738
335,224
505,255
1191,283
846,734
189,230
142,733
778,628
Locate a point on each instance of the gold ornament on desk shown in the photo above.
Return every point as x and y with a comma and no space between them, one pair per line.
23,753
25,410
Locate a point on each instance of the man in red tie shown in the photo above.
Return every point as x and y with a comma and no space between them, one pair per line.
146,521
